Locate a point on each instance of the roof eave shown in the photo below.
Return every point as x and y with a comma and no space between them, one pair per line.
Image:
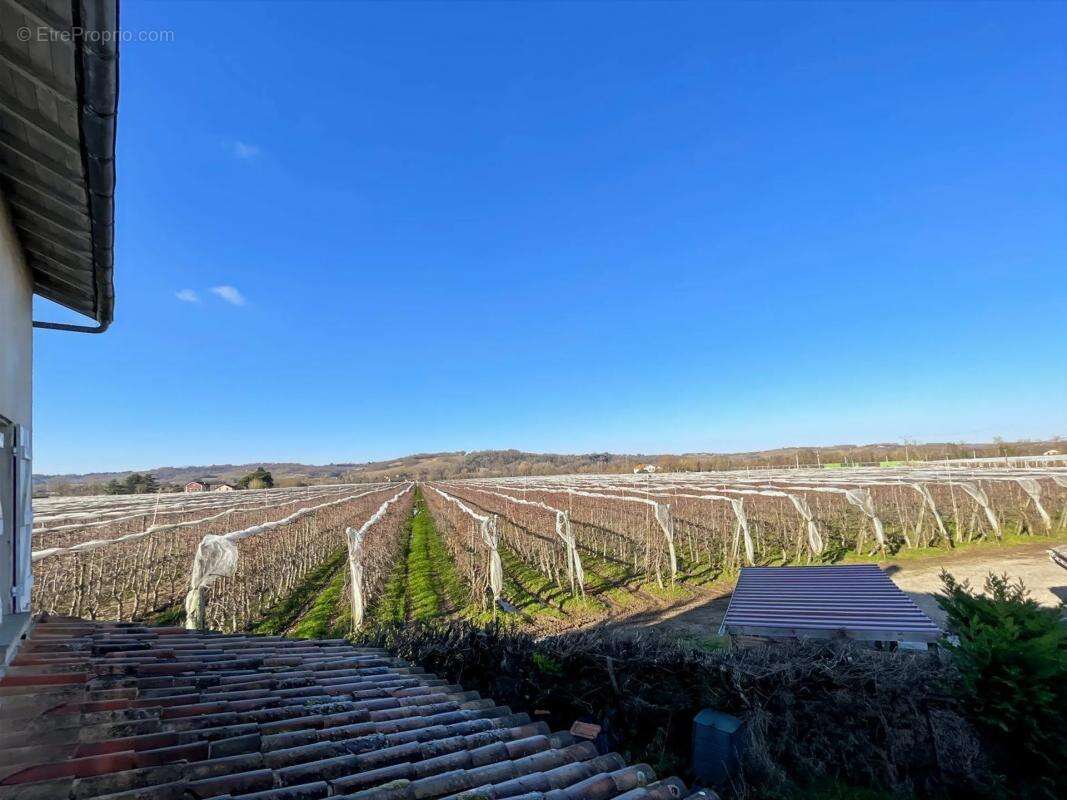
98,88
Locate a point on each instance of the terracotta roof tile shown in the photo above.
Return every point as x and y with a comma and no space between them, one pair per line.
117,711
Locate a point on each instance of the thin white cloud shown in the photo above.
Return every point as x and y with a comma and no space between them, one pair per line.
187,296
246,151
230,294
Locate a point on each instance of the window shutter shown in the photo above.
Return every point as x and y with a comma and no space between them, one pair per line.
23,519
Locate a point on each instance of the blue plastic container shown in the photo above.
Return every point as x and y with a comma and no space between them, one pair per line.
716,746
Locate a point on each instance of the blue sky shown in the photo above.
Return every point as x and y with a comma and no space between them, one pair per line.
565,227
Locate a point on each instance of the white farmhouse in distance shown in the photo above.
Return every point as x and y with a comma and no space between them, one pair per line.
206,486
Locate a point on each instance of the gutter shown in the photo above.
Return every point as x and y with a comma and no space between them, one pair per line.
62,326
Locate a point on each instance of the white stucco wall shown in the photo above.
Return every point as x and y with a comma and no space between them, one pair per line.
16,369
16,330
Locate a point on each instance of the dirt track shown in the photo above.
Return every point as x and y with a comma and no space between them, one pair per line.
1046,581
920,578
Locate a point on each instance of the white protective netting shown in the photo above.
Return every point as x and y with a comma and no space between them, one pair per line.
565,532
928,499
354,539
861,499
979,495
128,565
666,523
661,513
1033,491
96,511
490,538
904,507
217,556
96,544
742,529
804,510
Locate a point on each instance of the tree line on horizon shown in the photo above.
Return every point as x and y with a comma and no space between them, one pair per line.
503,463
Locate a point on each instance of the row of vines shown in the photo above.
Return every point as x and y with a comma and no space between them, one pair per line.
671,528
228,558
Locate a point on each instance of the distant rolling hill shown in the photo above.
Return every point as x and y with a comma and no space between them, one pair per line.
490,463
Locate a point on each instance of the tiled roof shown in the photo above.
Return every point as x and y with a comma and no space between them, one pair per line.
128,712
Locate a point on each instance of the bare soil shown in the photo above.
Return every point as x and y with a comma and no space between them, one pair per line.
1029,562
700,615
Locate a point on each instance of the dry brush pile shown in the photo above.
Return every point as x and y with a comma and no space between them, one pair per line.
895,725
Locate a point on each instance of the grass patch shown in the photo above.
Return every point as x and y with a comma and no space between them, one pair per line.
528,589
423,585
434,588
329,616
533,593
392,606
702,573
667,592
606,578
171,615
976,546
285,613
